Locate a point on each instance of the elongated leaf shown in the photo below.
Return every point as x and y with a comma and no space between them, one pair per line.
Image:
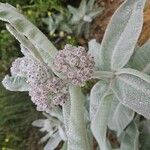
133,91
100,120
130,139
121,35
120,116
16,83
10,14
77,137
141,59
24,42
96,95
53,142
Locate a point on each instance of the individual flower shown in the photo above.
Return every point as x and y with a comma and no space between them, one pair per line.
75,63
46,95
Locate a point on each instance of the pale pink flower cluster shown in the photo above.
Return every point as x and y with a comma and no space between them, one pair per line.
48,94
44,89
75,64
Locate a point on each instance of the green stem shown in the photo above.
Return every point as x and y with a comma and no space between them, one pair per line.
77,137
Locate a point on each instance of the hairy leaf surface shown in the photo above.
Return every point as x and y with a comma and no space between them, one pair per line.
121,35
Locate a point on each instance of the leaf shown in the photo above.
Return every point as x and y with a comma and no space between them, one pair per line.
130,138
144,135
141,59
16,83
53,142
24,42
62,133
77,137
10,15
38,123
120,116
94,48
66,115
96,95
121,35
132,89
99,122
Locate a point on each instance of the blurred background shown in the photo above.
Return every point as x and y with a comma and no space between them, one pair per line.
17,112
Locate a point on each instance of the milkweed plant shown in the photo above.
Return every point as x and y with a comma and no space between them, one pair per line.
118,104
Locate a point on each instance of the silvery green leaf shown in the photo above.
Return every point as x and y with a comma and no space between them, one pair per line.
55,112
121,35
53,142
95,13
141,58
82,7
132,88
62,133
130,138
15,83
10,14
120,116
96,95
38,123
77,135
25,43
144,135
66,115
90,4
94,48
100,120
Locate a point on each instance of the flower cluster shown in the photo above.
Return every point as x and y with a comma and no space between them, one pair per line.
53,92
75,64
35,71
44,89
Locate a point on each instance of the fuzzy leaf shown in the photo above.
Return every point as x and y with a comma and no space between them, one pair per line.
130,138
94,48
121,35
53,142
96,95
141,59
10,14
24,43
16,83
99,111
77,137
120,116
100,120
66,114
132,89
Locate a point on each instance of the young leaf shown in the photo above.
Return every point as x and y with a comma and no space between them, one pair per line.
121,35
120,116
77,135
132,89
10,15
53,142
16,83
130,138
141,59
